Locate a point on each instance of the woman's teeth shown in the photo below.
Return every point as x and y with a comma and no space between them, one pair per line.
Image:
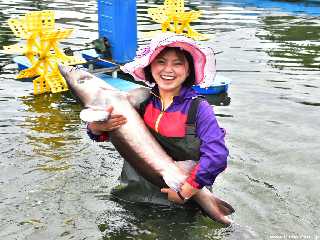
166,77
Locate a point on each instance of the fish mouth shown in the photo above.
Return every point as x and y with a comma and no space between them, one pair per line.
63,68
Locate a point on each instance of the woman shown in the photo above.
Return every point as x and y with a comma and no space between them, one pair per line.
182,122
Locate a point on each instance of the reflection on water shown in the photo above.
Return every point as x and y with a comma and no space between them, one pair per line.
52,124
221,99
55,183
298,42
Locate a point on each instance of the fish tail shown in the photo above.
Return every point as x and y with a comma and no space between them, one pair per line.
213,207
225,207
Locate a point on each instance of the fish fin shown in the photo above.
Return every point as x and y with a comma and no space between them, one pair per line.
213,207
138,95
94,115
225,207
217,213
221,211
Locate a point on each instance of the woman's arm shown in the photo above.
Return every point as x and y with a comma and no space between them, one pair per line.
98,131
213,152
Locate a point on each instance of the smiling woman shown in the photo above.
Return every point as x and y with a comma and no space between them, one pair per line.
180,120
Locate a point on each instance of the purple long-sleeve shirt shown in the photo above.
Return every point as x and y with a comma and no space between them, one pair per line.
213,151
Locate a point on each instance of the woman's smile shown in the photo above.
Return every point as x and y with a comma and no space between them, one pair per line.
167,77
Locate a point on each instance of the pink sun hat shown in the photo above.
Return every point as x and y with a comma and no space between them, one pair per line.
203,58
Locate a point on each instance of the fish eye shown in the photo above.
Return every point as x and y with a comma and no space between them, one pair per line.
82,80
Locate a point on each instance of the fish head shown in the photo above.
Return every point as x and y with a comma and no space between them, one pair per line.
89,89
74,75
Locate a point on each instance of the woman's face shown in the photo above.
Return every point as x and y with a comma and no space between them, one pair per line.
169,70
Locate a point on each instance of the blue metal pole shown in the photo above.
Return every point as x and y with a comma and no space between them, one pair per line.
117,21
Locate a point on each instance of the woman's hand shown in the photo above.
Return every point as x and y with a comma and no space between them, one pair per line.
114,122
172,195
186,192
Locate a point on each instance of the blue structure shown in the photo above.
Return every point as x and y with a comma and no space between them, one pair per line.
117,21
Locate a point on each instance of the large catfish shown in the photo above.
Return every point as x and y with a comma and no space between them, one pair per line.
134,141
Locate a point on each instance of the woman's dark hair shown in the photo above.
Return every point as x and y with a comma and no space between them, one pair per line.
190,81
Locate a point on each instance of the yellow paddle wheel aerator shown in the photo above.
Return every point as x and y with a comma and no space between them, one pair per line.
172,17
41,49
